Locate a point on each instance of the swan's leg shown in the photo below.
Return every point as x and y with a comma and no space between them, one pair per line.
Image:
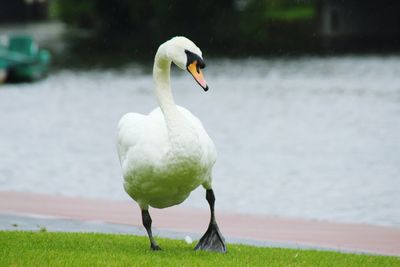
147,224
212,240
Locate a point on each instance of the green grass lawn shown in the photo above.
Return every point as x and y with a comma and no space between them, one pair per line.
77,249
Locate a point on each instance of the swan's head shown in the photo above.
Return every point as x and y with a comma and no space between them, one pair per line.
187,56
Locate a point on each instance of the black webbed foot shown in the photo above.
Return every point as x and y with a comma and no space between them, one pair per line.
212,240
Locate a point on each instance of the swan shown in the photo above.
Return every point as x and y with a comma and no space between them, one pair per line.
166,154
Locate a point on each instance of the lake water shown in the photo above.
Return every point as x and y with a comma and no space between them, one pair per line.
309,137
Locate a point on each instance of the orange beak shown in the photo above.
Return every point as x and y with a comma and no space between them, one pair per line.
197,74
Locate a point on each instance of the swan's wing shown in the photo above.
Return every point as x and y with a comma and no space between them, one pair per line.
130,131
204,138
141,138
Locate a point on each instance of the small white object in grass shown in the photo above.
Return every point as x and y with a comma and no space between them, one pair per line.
188,239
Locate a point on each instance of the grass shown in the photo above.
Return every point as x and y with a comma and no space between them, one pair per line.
86,249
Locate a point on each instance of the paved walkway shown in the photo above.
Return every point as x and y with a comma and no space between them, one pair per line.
287,232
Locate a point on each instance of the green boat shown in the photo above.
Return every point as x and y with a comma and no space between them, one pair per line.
21,60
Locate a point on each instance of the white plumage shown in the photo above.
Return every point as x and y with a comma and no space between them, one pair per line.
158,171
167,154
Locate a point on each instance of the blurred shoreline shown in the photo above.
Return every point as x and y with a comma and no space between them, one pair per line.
82,49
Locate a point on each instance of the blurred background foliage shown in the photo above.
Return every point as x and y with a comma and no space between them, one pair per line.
229,27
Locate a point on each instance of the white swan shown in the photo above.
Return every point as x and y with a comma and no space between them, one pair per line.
167,154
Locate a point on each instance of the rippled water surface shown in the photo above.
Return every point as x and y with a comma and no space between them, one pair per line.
308,137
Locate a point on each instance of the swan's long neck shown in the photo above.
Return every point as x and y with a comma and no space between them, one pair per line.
179,130
161,75
182,136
